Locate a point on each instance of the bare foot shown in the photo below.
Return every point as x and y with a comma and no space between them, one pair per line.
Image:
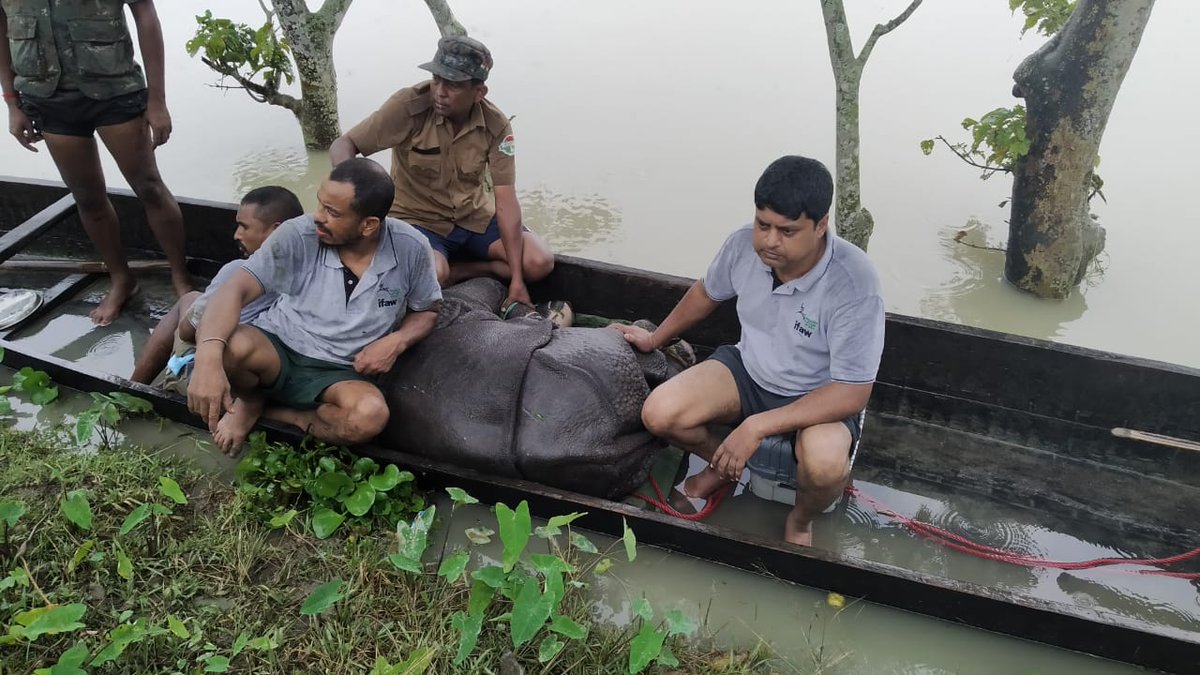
703,484
110,307
796,530
235,425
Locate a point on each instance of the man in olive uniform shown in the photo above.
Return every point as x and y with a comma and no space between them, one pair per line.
67,72
445,137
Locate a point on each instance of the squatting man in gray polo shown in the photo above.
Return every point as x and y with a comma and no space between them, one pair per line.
812,336
345,276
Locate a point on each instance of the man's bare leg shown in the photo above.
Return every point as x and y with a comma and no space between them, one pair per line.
236,424
158,347
537,261
78,162
132,147
681,409
251,363
351,412
822,469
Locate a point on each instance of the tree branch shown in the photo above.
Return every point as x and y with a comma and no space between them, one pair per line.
334,11
444,18
256,91
837,34
991,169
885,28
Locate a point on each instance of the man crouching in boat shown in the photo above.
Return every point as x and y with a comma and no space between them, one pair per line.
811,339
345,276
167,356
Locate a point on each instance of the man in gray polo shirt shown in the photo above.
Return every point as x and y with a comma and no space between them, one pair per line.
345,276
812,335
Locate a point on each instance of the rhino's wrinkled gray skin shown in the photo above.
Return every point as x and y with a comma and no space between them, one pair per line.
519,398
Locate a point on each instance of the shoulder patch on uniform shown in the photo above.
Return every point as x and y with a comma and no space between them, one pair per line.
508,146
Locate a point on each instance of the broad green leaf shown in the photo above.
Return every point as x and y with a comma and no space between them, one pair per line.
131,403
330,485
414,537
118,639
553,528
927,146
85,426
468,626
239,644
641,607
403,562
325,521
216,664
549,648
81,554
124,565
361,500
666,657
602,566
416,663
77,510
170,489
263,644
492,575
515,527
11,511
177,628
568,628
324,597
679,623
549,563
387,480
69,663
51,620
135,518
582,543
453,567
479,535
630,541
460,496
282,520
530,610
16,577
44,395
481,596
645,647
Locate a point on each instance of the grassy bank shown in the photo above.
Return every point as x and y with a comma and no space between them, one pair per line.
107,567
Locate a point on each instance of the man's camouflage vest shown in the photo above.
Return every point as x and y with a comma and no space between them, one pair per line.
71,44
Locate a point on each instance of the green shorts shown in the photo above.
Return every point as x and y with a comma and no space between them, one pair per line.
175,378
302,379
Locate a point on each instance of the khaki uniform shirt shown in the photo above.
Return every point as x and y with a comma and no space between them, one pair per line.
440,175
72,44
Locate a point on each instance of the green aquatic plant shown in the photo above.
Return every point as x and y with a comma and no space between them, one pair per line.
327,483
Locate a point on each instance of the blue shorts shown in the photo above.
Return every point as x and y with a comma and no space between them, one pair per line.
462,243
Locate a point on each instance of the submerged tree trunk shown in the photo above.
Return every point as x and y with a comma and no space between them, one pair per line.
310,35
854,222
1069,87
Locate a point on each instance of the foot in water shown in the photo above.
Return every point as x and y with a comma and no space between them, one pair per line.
695,491
110,307
796,531
235,425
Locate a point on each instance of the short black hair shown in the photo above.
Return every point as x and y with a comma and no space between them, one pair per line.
795,186
373,188
273,204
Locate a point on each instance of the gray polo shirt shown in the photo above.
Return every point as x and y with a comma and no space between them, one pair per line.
224,274
313,315
826,326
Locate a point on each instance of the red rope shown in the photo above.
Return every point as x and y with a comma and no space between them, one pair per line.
714,500
960,543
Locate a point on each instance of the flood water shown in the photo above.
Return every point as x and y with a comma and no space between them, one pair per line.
642,128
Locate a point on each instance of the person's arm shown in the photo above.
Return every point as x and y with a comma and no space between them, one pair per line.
342,149
378,357
384,128
508,220
208,390
150,39
693,308
19,124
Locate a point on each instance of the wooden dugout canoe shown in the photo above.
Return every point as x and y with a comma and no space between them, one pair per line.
1023,423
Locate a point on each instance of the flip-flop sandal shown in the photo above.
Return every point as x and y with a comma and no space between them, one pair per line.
516,309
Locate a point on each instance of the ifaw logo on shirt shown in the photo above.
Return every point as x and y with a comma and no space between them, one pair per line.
388,297
804,325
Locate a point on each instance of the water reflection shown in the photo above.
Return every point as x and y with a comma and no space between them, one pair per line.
976,294
294,168
570,223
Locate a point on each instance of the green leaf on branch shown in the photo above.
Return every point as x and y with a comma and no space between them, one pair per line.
325,522
468,626
452,568
135,518
51,620
460,496
641,607
568,628
85,426
170,489
77,510
11,511
324,597
927,146
530,610
555,525
549,648
69,662
382,482
679,623
582,543
630,541
645,647
177,628
124,565
361,500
